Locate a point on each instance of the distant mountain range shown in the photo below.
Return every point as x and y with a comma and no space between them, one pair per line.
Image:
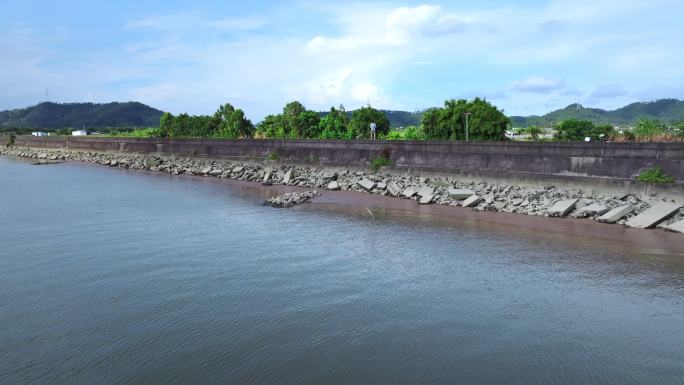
667,110
53,116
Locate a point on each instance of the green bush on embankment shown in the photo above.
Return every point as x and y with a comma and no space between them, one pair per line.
654,175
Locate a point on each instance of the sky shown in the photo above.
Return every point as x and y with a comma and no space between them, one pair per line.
526,57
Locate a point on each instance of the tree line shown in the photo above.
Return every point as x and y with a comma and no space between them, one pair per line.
581,129
484,120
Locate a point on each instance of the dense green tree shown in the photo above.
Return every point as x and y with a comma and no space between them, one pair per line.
359,125
271,127
573,129
534,132
485,121
295,122
603,132
292,121
227,122
64,131
334,124
309,124
231,123
649,127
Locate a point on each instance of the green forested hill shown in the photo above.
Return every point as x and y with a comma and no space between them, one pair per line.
667,110
53,116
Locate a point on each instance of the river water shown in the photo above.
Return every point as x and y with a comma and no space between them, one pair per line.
110,276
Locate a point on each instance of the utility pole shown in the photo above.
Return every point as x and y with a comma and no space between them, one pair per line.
467,114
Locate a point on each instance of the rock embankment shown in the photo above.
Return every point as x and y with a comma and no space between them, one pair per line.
483,196
291,199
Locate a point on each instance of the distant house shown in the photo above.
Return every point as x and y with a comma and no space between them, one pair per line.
79,133
39,133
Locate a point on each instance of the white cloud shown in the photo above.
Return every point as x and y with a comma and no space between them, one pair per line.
538,84
608,91
327,53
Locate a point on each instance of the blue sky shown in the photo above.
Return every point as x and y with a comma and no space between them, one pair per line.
527,57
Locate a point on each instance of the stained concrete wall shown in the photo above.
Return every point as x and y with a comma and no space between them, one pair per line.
569,160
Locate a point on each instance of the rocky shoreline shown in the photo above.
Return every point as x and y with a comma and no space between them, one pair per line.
548,201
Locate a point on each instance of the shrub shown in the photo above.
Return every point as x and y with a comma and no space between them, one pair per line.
654,175
273,156
408,133
9,141
380,161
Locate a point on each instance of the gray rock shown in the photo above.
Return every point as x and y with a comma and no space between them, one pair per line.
425,191
676,226
471,201
426,199
333,185
206,170
288,176
656,214
381,186
366,184
329,175
409,192
267,177
593,209
460,194
216,172
394,189
562,208
498,206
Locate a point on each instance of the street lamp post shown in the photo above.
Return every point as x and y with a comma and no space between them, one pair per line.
467,114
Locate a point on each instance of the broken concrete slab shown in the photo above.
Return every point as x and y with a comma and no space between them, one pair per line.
460,193
426,199
562,208
616,214
333,185
426,190
676,227
656,214
288,176
471,201
366,184
409,192
267,177
393,189
593,209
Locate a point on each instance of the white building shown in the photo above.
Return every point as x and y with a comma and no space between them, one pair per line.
39,133
79,133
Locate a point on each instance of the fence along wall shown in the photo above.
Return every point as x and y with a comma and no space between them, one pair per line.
616,161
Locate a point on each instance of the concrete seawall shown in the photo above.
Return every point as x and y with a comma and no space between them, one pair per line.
606,163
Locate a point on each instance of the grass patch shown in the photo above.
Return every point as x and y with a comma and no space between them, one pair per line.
380,161
654,175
